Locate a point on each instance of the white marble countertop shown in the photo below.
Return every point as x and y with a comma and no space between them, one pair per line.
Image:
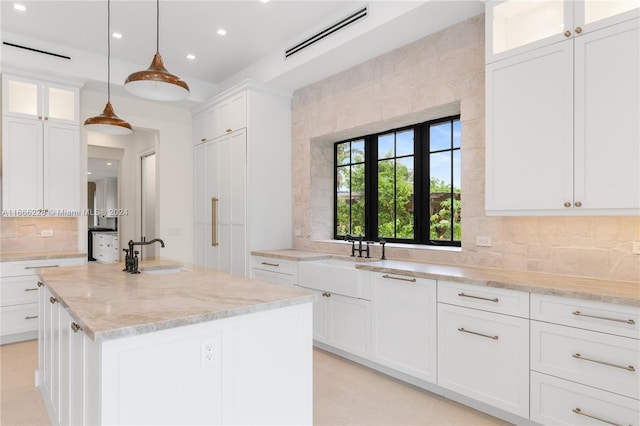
39,255
109,304
619,292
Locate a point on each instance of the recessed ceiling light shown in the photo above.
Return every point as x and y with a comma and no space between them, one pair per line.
222,31
264,1
108,164
116,35
191,57
20,7
88,173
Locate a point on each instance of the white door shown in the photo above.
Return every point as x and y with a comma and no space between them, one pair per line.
61,167
148,207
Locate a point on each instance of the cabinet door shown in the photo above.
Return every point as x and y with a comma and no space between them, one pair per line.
22,157
404,325
199,128
484,356
349,324
77,394
21,97
529,144
64,358
61,167
60,104
230,114
320,316
607,128
55,360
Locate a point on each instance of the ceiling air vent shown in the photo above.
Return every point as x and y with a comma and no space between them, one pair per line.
31,49
348,20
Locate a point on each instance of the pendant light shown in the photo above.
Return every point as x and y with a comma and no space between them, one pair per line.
108,121
156,82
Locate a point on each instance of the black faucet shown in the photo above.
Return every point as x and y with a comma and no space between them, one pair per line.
131,258
352,238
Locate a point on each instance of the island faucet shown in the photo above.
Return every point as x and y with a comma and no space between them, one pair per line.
131,258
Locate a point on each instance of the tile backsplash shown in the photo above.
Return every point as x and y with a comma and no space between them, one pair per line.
20,234
438,75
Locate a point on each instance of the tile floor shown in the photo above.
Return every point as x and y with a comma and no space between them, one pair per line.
344,394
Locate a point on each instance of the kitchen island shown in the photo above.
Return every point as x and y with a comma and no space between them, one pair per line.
173,346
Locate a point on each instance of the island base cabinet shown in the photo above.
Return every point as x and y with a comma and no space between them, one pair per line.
556,401
485,356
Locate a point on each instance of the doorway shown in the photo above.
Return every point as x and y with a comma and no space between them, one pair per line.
148,204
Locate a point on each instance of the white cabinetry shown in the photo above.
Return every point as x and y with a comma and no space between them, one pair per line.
585,363
19,298
562,126
276,271
481,353
404,324
242,177
40,146
106,247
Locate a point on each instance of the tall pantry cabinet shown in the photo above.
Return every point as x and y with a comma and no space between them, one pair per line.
242,176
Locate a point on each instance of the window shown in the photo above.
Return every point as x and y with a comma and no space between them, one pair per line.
378,176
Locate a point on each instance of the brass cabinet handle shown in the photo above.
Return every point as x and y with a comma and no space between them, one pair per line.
270,264
53,300
626,321
43,266
578,204
495,299
411,280
567,33
461,329
229,130
31,289
39,117
579,411
578,30
628,368
203,139
29,317
326,294
567,204
214,222
46,118
40,284
75,327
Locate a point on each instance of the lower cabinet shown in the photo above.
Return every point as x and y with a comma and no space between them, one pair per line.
342,322
275,271
485,356
404,324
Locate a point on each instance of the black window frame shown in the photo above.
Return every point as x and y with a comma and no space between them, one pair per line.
421,156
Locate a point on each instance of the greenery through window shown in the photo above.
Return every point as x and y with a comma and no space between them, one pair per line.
378,176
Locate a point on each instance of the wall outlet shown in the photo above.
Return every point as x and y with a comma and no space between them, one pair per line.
297,233
46,233
635,249
208,352
483,241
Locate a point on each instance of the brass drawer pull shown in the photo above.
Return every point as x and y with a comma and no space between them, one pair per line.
270,264
40,284
580,314
75,327
31,289
43,266
53,300
214,222
325,294
229,130
579,411
477,334
29,317
411,280
495,299
628,368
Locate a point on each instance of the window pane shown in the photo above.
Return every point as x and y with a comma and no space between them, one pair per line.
357,151
385,146
456,134
343,215
440,199
404,143
404,198
357,199
457,227
386,205
343,153
440,164
440,136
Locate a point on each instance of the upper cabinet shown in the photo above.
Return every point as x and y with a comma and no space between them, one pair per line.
516,26
26,98
40,147
562,126
224,116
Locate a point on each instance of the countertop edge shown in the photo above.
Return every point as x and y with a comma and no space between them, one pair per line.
24,256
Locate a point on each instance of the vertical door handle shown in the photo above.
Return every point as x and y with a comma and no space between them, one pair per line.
214,222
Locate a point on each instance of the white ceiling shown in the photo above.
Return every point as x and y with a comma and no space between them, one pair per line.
257,34
101,168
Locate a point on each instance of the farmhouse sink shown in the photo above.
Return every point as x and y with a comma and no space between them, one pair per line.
333,275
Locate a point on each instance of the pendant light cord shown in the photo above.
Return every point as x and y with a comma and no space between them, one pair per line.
158,26
108,51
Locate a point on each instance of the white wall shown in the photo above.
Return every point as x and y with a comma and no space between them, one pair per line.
173,129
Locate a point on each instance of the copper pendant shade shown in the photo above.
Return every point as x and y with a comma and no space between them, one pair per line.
108,122
156,82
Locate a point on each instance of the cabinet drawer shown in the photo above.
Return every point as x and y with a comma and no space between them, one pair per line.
554,400
273,277
606,317
270,264
18,290
595,359
499,300
18,319
28,267
485,356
